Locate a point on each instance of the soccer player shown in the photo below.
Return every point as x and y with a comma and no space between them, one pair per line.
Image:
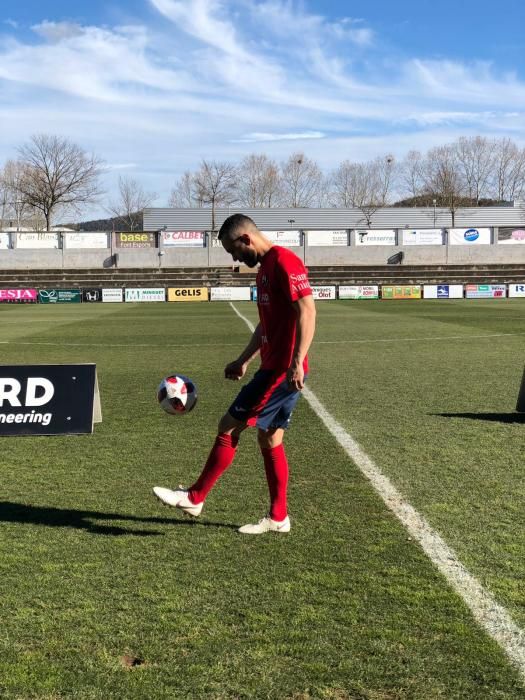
282,338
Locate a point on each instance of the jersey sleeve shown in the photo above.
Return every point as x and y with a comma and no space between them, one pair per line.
293,277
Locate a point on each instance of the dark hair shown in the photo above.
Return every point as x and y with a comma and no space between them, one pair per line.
233,223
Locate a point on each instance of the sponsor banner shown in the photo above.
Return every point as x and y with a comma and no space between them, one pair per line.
290,238
186,239
230,293
411,291
112,296
136,239
443,291
86,240
485,291
517,290
91,296
423,236
5,241
327,238
375,236
18,296
146,294
469,236
369,291
508,234
320,293
60,296
188,294
48,399
38,240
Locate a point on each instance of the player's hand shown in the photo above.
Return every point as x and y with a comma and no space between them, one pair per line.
235,370
295,377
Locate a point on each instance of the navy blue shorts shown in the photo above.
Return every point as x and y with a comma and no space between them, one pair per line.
266,401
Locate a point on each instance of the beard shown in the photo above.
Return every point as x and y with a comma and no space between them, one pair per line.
250,258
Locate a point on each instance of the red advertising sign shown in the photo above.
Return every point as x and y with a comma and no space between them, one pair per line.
18,296
188,239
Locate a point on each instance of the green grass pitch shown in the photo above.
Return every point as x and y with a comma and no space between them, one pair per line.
93,569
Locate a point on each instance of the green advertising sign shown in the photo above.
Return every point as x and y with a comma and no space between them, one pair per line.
60,296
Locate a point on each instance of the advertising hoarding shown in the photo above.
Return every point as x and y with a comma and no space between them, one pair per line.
183,239
145,294
443,291
91,296
5,241
410,291
510,234
135,239
188,294
38,240
485,291
18,296
112,296
517,290
327,238
60,296
290,238
469,236
230,293
86,240
375,236
320,293
366,291
423,236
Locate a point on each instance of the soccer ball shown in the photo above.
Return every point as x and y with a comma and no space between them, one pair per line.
177,394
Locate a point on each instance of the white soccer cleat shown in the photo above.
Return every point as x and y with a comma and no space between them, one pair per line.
178,499
266,524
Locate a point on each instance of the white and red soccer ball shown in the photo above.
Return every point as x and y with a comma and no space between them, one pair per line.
177,394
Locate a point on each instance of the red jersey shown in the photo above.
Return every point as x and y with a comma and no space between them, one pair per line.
281,280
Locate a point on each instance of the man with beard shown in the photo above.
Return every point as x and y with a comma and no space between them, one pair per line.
282,338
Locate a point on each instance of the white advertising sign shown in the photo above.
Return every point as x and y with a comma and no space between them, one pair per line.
423,236
231,294
149,294
508,234
186,239
37,240
443,291
469,236
5,241
86,240
375,236
320,293
370,291
485,291
112,295
517,290
289,238
327,238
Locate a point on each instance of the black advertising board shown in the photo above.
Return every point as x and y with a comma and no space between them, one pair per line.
48,399
90,296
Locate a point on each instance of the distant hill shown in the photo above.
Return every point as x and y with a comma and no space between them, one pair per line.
113,224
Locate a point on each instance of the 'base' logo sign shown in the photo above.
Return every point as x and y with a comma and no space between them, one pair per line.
48,399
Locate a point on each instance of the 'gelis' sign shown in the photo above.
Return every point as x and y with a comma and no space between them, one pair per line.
48,399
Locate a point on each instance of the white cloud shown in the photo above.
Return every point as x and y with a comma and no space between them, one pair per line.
258,137
11,23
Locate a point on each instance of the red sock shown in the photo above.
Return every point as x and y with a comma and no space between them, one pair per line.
220,458
276,467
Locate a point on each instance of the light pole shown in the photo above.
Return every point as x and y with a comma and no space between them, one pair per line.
434,203
18,206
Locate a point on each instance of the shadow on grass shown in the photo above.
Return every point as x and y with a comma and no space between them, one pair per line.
83,519
497,417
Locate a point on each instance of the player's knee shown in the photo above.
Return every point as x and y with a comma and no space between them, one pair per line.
230,426
268,439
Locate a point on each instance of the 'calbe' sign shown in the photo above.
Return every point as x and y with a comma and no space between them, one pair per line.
48,399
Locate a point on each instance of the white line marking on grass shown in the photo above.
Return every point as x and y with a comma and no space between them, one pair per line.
492,616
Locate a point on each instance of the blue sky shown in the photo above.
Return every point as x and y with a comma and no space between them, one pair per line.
154,86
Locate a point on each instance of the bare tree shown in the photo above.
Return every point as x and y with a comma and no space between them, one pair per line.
215,184
57,174
301,180
14,206
475,159
509,171
183,194
131,202
258,182
442,178
411,174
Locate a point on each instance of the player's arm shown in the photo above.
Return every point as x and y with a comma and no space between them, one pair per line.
237,368
304,334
